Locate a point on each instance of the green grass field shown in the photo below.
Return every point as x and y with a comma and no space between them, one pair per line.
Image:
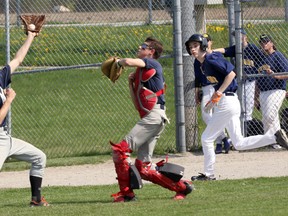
262,196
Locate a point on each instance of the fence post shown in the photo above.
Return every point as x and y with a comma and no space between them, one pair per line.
189,27
286,10
239,54
231,21
18,11
150,12
178,78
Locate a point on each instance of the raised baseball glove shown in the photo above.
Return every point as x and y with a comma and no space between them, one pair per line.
32,23
112,69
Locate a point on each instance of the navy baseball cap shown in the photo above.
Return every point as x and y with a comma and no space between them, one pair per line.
264,38
207,36
242,32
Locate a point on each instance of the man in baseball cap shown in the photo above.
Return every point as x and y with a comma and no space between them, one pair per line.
264,38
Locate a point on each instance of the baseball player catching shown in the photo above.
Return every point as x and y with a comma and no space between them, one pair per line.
16,148
147,91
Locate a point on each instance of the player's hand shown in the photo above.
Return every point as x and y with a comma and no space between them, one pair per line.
10,94
213,101
34,34
269,71
198,96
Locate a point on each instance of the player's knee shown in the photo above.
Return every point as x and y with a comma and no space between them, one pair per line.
38,165
41,161
120,151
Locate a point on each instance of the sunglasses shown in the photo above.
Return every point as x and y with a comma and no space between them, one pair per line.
145,46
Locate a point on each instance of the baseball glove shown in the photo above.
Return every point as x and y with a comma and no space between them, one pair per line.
32,23
112,69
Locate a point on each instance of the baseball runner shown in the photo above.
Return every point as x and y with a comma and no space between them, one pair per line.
147,90
226,108
207,92
16,148
252,55
272,88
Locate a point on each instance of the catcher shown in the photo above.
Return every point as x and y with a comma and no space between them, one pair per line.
13,147
147,92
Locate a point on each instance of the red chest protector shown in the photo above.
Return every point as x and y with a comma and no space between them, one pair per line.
145,98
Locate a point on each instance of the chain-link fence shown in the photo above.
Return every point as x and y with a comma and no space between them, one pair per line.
72,109
265,101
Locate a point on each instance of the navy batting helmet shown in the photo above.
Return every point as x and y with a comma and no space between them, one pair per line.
198,38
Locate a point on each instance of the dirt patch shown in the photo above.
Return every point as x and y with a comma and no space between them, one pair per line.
235,165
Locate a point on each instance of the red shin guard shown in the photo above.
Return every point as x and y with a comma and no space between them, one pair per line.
157,178
120,152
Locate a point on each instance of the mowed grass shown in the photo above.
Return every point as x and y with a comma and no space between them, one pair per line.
262,196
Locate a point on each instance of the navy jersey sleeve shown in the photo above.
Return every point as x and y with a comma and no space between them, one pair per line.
220,64
5,80
282,63
197,72
230,51
156,83
217,68
5,77
255,54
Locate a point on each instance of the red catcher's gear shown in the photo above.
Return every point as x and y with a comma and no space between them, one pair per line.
121,152
159,179
145,98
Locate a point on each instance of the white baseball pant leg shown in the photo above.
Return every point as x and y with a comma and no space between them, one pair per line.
208,91
144,135
271,102
21,150
227,113
248,96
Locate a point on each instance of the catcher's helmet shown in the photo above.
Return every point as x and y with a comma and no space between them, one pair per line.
198,38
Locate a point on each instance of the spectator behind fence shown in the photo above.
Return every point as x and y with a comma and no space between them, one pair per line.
252,56
206,87
272,88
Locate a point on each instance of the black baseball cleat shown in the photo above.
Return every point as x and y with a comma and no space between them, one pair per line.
226,145
281,138
202,177
218,149
42,202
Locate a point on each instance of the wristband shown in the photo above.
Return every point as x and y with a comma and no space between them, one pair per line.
118,64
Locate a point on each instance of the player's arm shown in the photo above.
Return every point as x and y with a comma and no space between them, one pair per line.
221,50
10,95
197,95
21,53
283,67
132,62
227,81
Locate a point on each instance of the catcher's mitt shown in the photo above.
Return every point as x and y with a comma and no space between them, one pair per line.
32,23
111,69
